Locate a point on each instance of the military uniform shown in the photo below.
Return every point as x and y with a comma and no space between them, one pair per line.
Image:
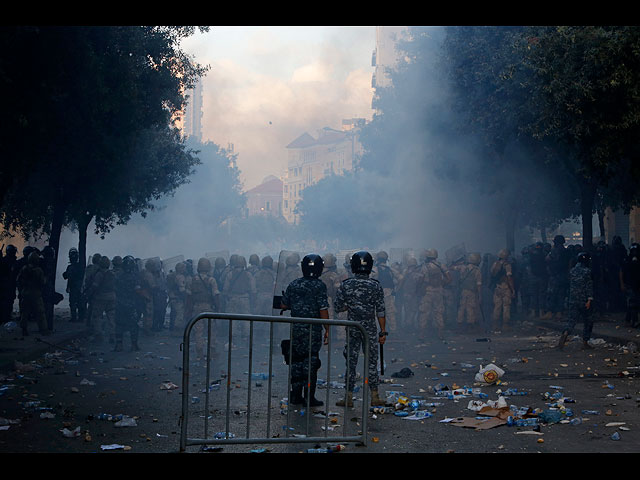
408,293
127,286
239,291
31,281
432,279
363,300
503,294
558,286
89,273
264,280
387,278
103,295
204,297
176,289
470,291
305,297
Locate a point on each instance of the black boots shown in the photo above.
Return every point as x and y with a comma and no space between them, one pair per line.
296,396
563,339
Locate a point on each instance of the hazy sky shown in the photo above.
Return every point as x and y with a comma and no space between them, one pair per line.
268,85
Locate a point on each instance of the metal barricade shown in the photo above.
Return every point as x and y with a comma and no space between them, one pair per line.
225,436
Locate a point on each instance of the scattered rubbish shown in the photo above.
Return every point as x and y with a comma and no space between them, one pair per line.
45,415
528,432
615,436
522,422
419,415
590,412
126,422
329,449
483,424
168,386
115,446
71,433
84,381
550,416
206,448
615,424
489,374
220,435
6,421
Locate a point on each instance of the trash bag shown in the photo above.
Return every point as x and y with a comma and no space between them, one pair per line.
489,374
404,373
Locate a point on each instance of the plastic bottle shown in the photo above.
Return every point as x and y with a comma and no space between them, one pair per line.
576,421
590,412
330,449
522,422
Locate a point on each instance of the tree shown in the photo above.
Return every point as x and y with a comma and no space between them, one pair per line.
584,84
100,121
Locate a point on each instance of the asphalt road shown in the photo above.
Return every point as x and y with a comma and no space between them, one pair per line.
53,404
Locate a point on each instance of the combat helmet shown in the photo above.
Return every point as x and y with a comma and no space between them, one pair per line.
117,261
204,265
475,258
181,268
267,262
329,260
312,266
361,262
74,255
254,259
105,263
128,264
431,253
96,259
220,263
503,254
382,256
293,259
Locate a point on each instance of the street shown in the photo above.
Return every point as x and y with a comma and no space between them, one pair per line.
54,404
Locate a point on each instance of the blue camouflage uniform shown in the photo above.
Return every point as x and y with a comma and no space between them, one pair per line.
580,291
363,299
305,297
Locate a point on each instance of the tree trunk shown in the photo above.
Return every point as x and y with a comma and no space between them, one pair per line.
83,226
587,197
510,226
601,223
57,222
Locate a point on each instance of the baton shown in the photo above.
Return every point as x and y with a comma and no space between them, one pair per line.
381,360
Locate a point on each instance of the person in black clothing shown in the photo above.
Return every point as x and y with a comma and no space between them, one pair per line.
8,274
74,275
629,276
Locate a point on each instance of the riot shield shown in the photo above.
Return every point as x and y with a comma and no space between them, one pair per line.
287,271
455,254
169,264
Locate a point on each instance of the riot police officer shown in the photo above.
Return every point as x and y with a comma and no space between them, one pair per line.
74,275
306,297
363,299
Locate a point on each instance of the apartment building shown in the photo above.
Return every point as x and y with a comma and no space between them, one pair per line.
309,159
266,198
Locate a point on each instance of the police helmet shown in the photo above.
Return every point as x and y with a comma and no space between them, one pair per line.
11,250
312,266
128,263
634,250
117,261
254,259
584,258
361,262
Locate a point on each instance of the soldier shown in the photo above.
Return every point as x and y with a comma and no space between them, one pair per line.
103,297
504,292
408,293
8,285
470,291
331,279
74,275
89,273
127,288
291,270
240,291
629,276
148,279
116,264
265,279
580,298
306,297
383,273
451,291
254,264
558,266
31,281
431,281
204,297
363,300
177,290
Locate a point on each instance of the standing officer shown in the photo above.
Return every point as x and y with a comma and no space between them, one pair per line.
363,299
127,287
580,298
431,284
306,297
73,275
470,302
383,273
204,296
31,281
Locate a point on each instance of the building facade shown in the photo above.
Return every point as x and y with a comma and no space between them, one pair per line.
309,159
266,198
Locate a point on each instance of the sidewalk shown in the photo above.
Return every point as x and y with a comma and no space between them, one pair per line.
13,346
